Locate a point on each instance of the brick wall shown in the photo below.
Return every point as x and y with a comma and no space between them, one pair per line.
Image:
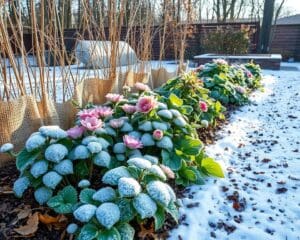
286,41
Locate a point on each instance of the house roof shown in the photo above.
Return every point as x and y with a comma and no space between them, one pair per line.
290,20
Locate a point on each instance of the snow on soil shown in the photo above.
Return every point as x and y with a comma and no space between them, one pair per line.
260,151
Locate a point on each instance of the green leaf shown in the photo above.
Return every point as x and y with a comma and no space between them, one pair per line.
126,231
186,109
68,143
171,160
189,146
127,210
86,196
69,194
173,211
189,174
25,158
211,167
176,101
81,169
109,234
134,171
88,232
55,201
159,218
64,201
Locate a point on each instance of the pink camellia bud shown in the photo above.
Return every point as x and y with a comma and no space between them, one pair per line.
203,106
132,142
91,123
130,109
104,111
146,104
141,87
249,74
168,171
83,114
75,132
116,123
158,134
113,97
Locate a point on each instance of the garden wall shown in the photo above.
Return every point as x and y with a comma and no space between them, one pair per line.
286,41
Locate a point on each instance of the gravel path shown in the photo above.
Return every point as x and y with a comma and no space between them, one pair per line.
260,151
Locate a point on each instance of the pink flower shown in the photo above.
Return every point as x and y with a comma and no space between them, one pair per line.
158,134
141,87
220,61
91,123
113,97
103,111
132,142
116,123
83,114
249,74
129,108
203,106
240,89
200,68
168,171
146,104
75,132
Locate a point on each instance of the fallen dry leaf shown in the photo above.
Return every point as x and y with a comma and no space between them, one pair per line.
144,232
57,222
31,226
24,213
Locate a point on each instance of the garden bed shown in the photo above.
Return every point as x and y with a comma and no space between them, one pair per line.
266,61
118,173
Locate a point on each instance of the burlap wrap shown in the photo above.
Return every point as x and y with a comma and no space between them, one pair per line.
21,117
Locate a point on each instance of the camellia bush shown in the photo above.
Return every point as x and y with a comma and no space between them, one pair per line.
230,84
135,144
199,107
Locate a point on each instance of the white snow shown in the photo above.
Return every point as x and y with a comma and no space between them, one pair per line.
260,151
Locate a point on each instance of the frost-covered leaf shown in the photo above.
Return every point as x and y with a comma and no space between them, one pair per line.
53,132
147,140
108,214
165,143
65,167
42,195
144,205
20,185
85,212
35,142
102,159
152,159
72,228
139,163
39,168
94,147
128,187
105,194
119,148
81,152
84,183
159,192
165,114
159,125
112,176
157,171
146,126
56,152
52,179
126,231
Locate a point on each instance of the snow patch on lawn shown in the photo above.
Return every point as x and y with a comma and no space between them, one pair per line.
260,152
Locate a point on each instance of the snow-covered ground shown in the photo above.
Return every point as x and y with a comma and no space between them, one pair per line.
260,151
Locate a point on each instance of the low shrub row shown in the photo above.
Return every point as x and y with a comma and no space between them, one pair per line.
114,167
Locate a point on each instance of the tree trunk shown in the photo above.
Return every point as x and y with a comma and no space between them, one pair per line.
266,26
